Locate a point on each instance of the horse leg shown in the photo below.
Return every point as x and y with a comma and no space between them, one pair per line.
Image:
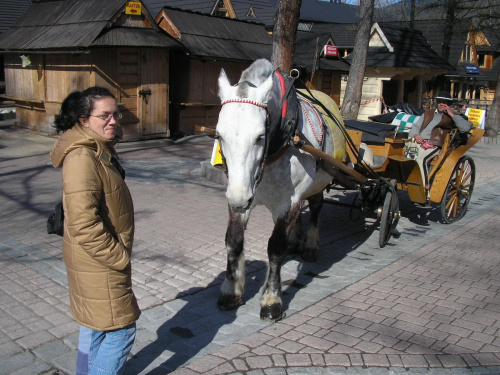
271,304
311,247
233,287
295,238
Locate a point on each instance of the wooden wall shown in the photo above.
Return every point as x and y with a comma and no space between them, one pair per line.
372,91
40,88
326,81
194,91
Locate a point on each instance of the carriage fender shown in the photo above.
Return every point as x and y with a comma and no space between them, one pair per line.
443,175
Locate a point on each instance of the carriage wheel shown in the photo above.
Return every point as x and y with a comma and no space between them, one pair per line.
459,190
389,215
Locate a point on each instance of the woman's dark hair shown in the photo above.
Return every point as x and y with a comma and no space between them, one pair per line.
79,105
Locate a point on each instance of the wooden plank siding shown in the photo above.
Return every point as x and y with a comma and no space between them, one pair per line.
42,86
66,73
154,77
128,79
370,103
194,91
328,82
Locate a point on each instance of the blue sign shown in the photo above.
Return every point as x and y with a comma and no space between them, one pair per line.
471,69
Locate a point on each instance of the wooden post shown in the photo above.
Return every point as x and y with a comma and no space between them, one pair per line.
401,90
420,89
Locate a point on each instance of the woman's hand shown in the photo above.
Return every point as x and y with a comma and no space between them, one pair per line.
419,139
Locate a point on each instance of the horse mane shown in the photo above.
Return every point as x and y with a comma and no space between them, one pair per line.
254,76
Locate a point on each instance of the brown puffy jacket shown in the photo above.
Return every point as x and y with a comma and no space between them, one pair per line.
98,231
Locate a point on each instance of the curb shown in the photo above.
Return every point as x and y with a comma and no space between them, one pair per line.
212,173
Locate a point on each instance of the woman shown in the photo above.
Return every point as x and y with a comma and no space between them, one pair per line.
98,230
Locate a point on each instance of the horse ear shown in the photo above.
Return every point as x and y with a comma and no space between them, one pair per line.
264,90
224,85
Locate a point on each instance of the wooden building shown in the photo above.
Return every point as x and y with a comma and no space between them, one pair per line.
399,62
212,43
318,59
11,11
61,46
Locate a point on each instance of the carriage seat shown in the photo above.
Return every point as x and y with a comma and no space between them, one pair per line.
373,132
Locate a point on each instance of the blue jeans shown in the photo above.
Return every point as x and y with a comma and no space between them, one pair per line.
104,352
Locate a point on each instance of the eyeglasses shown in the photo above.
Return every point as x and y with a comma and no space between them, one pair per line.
117,116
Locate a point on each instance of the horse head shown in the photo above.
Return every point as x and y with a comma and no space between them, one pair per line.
241,129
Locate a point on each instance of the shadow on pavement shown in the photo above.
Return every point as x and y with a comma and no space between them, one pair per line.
192,328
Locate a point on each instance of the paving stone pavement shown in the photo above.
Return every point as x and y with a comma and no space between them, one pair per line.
427,303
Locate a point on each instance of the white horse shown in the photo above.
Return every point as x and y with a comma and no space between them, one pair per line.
246,129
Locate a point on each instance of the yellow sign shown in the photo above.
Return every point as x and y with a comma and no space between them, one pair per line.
216,158
476,117
134,8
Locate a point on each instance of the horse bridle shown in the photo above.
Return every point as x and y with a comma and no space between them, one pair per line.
294,75
260,171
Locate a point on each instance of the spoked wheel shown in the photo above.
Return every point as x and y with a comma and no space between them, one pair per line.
389,215
459,190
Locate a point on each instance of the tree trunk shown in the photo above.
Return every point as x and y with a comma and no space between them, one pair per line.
285,33
448,29
352,96
412,14
493,115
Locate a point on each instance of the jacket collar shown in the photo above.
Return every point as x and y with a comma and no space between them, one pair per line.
77,137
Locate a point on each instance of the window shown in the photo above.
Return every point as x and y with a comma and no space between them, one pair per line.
481,60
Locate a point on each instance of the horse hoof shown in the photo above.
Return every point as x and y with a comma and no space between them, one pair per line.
272,313
227,302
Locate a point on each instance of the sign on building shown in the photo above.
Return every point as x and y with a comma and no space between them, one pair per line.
330,51
134,8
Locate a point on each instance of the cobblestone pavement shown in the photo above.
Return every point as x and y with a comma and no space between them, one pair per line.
427,303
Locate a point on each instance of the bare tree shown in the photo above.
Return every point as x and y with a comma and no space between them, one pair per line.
285,33
352,96
494,113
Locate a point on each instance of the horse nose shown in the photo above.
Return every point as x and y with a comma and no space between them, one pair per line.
238,201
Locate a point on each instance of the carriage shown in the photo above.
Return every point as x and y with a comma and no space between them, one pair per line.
451,176
281,146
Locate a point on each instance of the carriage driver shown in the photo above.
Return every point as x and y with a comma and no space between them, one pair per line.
430,130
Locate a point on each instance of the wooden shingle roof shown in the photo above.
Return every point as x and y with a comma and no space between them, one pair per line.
402,48
12,10
134,37
433,32
215,37
264,11
258,11
76,24
343,34
324,11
